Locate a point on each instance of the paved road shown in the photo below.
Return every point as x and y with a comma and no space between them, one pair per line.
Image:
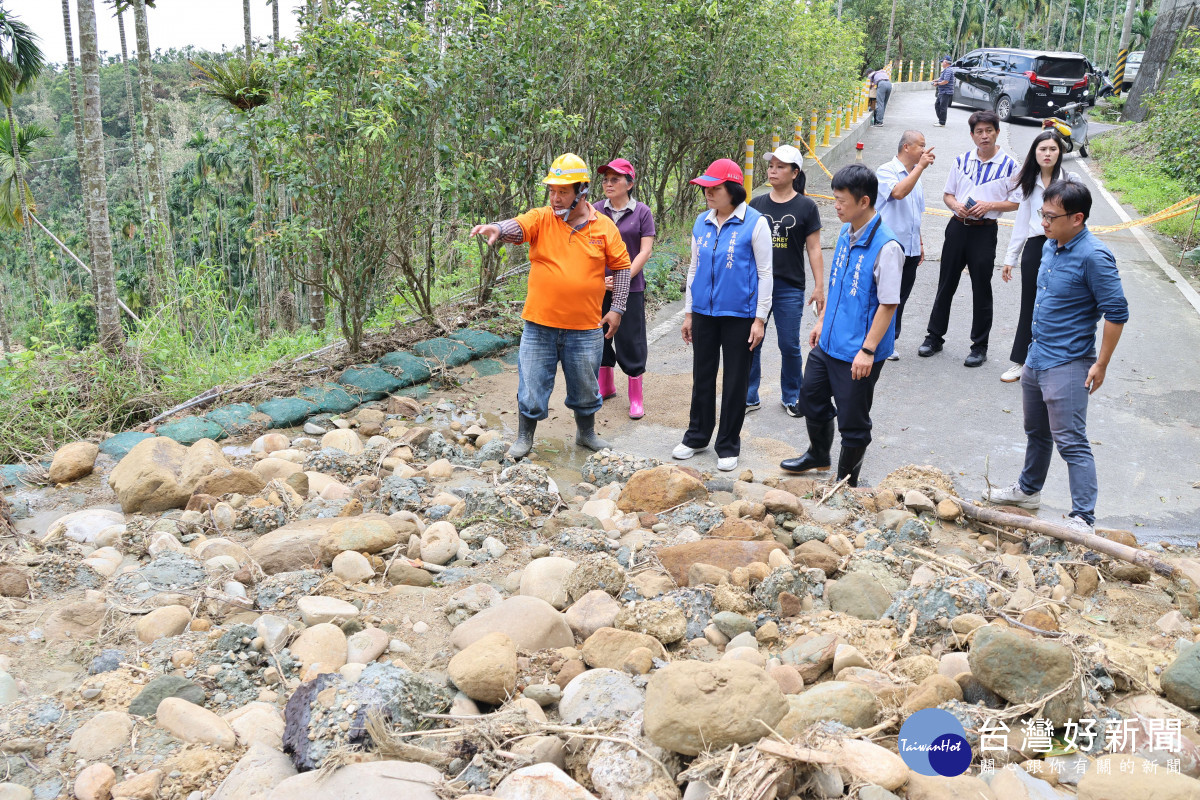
1144,422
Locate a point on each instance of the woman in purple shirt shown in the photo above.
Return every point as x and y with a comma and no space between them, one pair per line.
636,225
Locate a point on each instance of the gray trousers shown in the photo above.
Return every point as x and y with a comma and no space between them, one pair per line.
882,92
1055,404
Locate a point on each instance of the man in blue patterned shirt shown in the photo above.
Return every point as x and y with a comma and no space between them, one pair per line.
945,91
1078,283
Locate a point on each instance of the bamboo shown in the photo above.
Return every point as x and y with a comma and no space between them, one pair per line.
69,252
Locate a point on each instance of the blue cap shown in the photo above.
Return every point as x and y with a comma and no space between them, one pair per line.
947,58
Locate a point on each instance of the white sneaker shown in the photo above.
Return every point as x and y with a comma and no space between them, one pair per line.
1013,373
1013,496
727,464
682,451
1078,524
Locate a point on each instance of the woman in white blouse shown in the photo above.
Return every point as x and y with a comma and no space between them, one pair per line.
1042,167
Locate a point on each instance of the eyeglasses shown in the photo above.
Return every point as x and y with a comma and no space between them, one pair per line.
1051,217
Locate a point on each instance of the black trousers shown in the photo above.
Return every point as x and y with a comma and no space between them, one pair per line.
717,339
628,346
907,279
972,246
829,392
941,106
1031,262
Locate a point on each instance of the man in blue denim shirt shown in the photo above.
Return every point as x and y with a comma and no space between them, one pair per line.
1077,284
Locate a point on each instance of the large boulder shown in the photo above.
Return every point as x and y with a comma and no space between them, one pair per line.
693,706
859,595
851,704
486,670
609,647
1024,670
726,554
362,534
296,545
530,622
147,479
1181,680
660,488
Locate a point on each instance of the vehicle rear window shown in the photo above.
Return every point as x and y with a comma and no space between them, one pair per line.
1135,58
1022,64
1061,68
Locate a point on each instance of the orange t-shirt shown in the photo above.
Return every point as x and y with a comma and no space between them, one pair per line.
566,268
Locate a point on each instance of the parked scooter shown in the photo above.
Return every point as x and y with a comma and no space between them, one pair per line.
1071,122
1107,88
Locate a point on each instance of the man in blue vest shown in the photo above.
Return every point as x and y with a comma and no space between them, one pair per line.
855,335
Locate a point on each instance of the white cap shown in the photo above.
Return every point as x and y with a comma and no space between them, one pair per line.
787,154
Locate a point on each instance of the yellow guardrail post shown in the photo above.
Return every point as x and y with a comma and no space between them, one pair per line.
774,142
910,69
812,132
749,169
921,75
837,120
798,134
828,123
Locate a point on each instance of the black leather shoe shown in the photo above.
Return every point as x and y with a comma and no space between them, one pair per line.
976,358
820,442
928,348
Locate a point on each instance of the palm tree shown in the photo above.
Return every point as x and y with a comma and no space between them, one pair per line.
21,62
246,29
133,136
159,221
76,117
12,210
242,85
887,50
96,194
274,4
1143,28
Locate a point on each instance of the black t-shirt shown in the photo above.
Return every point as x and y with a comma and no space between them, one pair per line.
791,223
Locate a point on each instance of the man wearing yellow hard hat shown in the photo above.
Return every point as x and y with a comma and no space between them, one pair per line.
569,247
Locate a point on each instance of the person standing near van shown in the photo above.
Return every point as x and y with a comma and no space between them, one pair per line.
945,91
795,224
978,190
636,224
881,85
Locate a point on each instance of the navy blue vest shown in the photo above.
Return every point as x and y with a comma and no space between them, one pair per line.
726,280
853,298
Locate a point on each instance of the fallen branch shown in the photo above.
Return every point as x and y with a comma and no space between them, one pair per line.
945,562
1108,547
794,753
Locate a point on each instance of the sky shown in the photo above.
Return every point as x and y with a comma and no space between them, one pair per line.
206,24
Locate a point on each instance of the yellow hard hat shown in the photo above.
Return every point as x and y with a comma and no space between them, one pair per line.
567,169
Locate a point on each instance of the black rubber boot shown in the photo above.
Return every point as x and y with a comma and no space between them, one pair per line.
524,443
585,432
820,442
850,462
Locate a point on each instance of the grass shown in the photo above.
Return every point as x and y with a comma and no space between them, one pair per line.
1128,166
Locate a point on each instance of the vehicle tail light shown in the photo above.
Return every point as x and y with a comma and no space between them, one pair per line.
1036,81
1079,84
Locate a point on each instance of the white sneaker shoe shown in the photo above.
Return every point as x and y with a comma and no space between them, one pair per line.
727,464
1013,496
1013,373
1078,524
682,451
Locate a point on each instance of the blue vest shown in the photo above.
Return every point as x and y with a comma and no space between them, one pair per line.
853,298
726,280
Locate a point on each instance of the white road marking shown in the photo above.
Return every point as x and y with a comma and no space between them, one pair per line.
1180,282
662,329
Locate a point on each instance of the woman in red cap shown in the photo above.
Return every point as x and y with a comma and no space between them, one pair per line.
636,225
728,298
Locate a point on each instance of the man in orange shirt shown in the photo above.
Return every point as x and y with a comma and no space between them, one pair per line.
569,247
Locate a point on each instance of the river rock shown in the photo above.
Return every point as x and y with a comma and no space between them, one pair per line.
1022,670
595,610
369,781
869,762
347,441
657,489
486,670
538,782
102,735
440,543
620,772
859,595
361,534
75,621
189,722
851,704
143,786
272,469
1181,679
293,547
321,648
147,479
661,619
15,791
84,526
936,787
599,695
148,700
1143,780
727,555
932,692
610,647
317,609
95,782
73,461
692,706
530,622
812,656
163,622
257,722
256,773
366,645
546,578
352,567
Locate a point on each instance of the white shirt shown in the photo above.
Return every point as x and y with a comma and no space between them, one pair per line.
902,216
889,267
1029,221
982,181
617,213
763,249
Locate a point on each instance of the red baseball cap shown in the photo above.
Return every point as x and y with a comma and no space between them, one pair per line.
619,166
719,171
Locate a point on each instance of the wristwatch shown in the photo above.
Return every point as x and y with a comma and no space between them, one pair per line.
867,350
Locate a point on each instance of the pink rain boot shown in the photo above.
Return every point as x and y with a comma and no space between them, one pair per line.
608,385
636,410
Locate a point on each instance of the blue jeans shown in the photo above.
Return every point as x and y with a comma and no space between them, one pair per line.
787,306
1055,403
542,349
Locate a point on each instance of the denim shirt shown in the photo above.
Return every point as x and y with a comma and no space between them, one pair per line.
1076,285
